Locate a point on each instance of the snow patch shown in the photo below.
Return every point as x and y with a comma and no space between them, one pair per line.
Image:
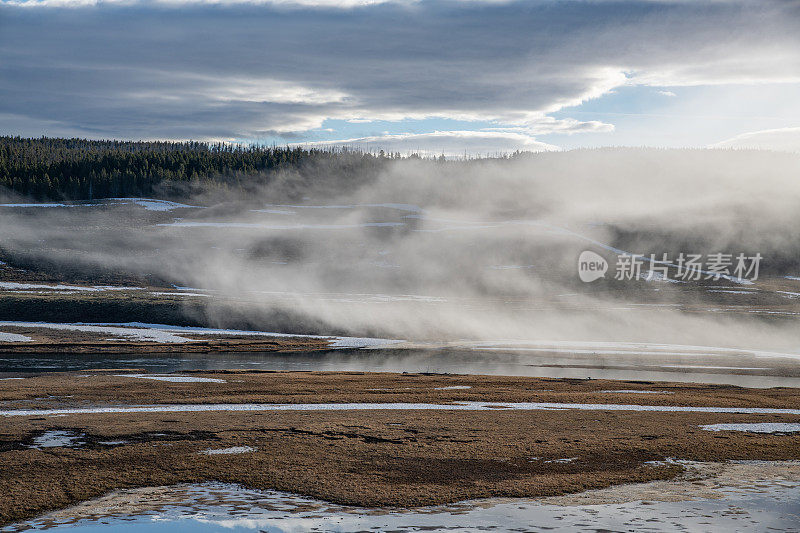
274,211
632,391
790,295
455,406
140,334
764,427
169,334
26,286
173,379
229,451
11,285
151,204
732,291
180,293
247,225
13,337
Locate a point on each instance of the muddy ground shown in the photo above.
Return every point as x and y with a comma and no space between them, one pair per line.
365,458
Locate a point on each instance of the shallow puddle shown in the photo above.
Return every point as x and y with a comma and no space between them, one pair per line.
57,439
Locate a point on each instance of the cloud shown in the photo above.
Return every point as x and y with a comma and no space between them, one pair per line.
245,70
448,143
667,93
780,139
334,4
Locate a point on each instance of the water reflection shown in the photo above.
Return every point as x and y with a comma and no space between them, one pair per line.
736,370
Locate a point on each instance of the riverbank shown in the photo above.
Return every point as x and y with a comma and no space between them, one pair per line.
732,496
568,435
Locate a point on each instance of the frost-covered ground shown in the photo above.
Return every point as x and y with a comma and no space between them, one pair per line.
13,337
761,427
171,334
455,406
172,378
149,204
11,285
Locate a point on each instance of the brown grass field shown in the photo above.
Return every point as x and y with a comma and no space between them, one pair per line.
366,458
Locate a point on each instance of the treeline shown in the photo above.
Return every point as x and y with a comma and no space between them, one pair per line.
79,169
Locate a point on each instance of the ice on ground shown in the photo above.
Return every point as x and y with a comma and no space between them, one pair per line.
764,427
632,391
274,211
400,207
714,367
112,442
335,342
116,288
181,288
151,204
56,439
10,285
229,451
455,406
360,342
13,337
246,225
36,205
453,387
790,295
173,379
180,293
139,334
731,291
8,379
170,334
20,286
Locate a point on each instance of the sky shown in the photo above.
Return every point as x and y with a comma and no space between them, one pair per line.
477,77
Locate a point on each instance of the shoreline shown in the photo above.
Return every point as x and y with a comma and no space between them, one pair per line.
698,481
301,344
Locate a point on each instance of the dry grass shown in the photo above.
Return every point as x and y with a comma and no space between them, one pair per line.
370,458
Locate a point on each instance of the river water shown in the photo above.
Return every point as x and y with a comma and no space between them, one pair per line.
742,370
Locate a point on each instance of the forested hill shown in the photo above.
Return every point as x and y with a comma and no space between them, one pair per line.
78,169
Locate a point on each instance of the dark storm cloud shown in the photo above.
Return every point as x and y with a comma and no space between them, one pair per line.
179,70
